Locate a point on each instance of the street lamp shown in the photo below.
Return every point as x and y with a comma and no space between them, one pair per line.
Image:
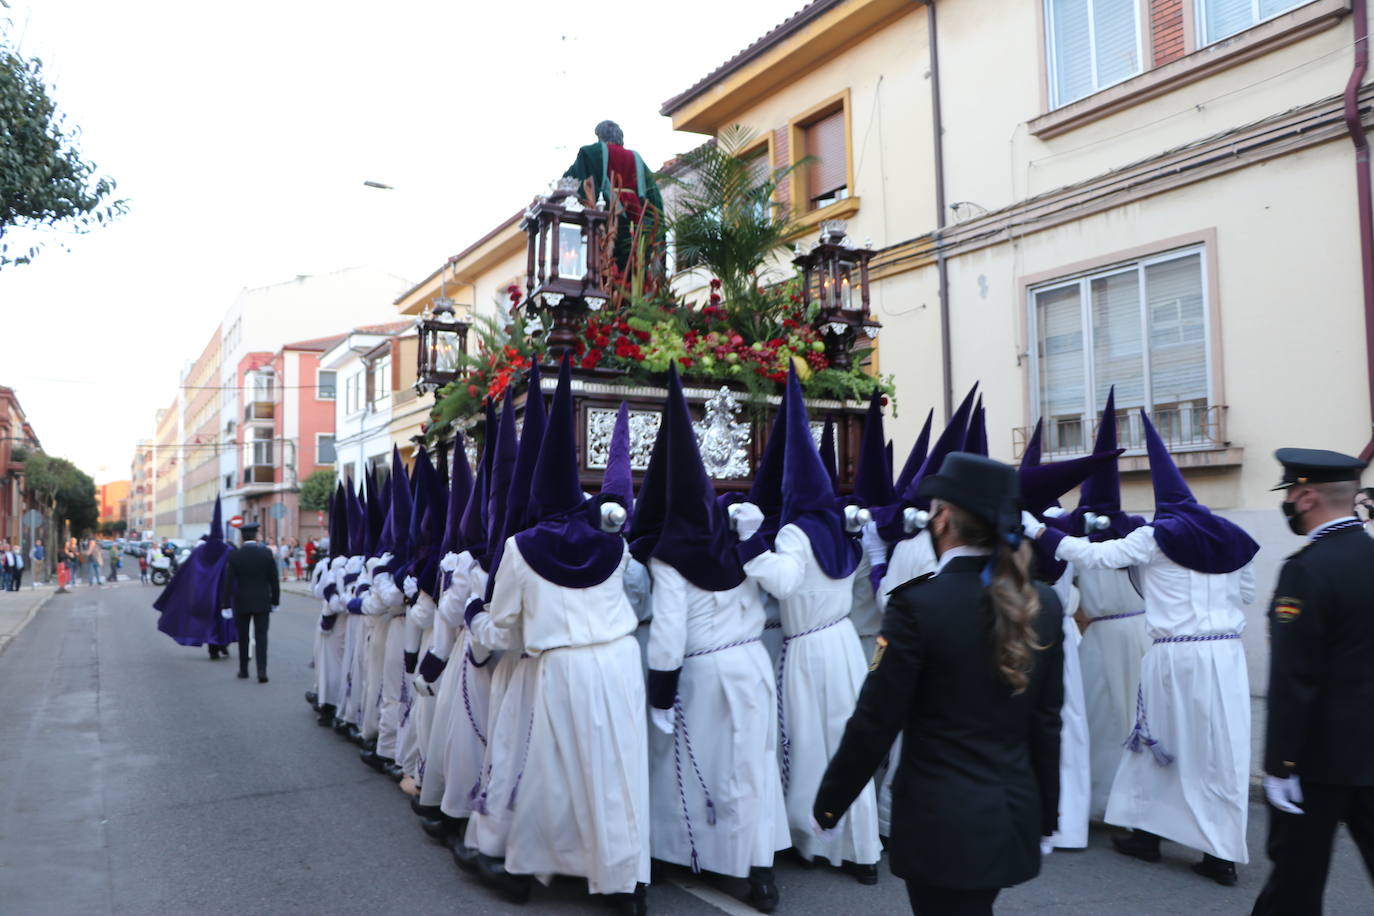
835,276
443,341
564,268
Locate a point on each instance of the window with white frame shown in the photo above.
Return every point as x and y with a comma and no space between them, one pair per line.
1140,326
325,382
353,393
1092,44
1218,19
379,382
324,449
258,450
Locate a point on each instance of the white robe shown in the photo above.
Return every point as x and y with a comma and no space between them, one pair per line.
1196,698
723,749
1109,654
1075,768
469,676
329,646
582,806
449,633
417,711
911,559
821,675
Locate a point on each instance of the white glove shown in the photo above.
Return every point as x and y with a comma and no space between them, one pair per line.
227,613
1031,526
748,519
450,562
662,719
422,686
1284,793
354,565
384,587
1046,846
411,586
820,831
336,604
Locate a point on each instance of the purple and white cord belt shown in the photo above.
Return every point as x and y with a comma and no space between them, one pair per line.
729,645
682,738
783,740
1123,616
1140,738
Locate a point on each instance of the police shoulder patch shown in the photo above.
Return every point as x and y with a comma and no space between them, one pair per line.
1286,610
880,646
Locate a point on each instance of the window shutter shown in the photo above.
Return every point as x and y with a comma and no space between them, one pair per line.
1071,50
1269,8
825,143
1118,48
1178,339
1224,18
759,171
1059,329
1118,353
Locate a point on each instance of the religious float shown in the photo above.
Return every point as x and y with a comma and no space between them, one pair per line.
623,324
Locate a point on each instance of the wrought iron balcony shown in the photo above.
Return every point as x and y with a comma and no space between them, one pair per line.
1183,427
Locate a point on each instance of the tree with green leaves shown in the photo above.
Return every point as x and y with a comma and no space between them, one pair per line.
316,490
45,182
64,490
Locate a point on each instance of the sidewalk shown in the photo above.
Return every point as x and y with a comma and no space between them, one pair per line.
18,608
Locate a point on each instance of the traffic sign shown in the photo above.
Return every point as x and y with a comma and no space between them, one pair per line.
278,510
236,521
33,518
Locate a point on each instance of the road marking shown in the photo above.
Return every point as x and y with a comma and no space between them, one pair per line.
718,899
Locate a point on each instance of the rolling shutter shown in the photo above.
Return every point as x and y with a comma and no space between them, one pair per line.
825,143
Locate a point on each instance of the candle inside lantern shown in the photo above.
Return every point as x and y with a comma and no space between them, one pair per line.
572,252
846,298
446,351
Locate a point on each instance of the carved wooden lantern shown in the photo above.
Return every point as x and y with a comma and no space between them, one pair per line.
564,265
443,340
835,277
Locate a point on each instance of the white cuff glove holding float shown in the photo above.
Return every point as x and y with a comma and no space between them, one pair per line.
386,591
747,519
354,565
411,586
1031,526
422,611
662,719
336,604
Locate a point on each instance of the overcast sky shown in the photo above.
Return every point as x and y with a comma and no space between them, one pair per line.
241,133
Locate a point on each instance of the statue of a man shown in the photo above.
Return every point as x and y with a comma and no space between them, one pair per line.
619,174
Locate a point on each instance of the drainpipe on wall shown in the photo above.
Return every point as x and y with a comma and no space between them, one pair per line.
1365,199
941,266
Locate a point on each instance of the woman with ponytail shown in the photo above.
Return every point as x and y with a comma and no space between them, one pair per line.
969,665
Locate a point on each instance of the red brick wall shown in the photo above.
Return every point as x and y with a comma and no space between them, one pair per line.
1166,30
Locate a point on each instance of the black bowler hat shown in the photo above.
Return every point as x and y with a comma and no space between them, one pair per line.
1316,465
989,489
248,530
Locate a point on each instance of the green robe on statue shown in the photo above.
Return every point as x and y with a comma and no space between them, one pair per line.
612,167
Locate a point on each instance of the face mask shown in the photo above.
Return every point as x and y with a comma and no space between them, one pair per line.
1294,517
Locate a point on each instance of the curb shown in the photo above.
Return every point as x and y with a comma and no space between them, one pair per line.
6,640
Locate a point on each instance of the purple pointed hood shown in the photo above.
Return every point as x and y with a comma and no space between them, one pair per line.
914,459
889,521
1189,533
396,537
766,491
426,528
565,545
976,439
357,524
498,483
372,508
459,490
677,518
1101,492
338,522
808,501
873,475
190,603
618,481
473,528
829,459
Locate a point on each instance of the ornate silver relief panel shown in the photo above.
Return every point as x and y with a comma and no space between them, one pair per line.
600,426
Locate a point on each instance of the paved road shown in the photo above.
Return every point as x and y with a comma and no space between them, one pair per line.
139,777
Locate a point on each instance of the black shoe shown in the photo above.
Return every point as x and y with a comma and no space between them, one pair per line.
634,904
1138,845
424,810
326,716
516,888
313,699
436,828
465,857
340,726
262,679
1219,870
763,890
243,674
370,757
394,770
864,874
214,652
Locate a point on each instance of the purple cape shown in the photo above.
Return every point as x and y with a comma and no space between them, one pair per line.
190,602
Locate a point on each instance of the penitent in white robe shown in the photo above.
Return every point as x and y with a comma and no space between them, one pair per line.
417,709
822,671
447,636
582,806
1075,769
469,677
329,645
715,787
1110,654
1195,699
911,559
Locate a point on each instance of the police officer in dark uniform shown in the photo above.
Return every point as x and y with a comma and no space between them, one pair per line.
252,591
970,665
1319,746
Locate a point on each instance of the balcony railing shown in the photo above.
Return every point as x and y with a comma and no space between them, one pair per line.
1183,427
259,410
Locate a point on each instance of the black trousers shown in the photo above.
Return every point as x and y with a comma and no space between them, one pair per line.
1300,847
259,623
947,901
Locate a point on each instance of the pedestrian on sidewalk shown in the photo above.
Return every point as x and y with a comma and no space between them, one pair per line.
298,558
91,556
251,592
38,555
16,567
113,550
143,568
4,566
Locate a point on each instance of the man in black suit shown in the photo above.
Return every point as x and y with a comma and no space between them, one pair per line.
970,665
251,592
1319,748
